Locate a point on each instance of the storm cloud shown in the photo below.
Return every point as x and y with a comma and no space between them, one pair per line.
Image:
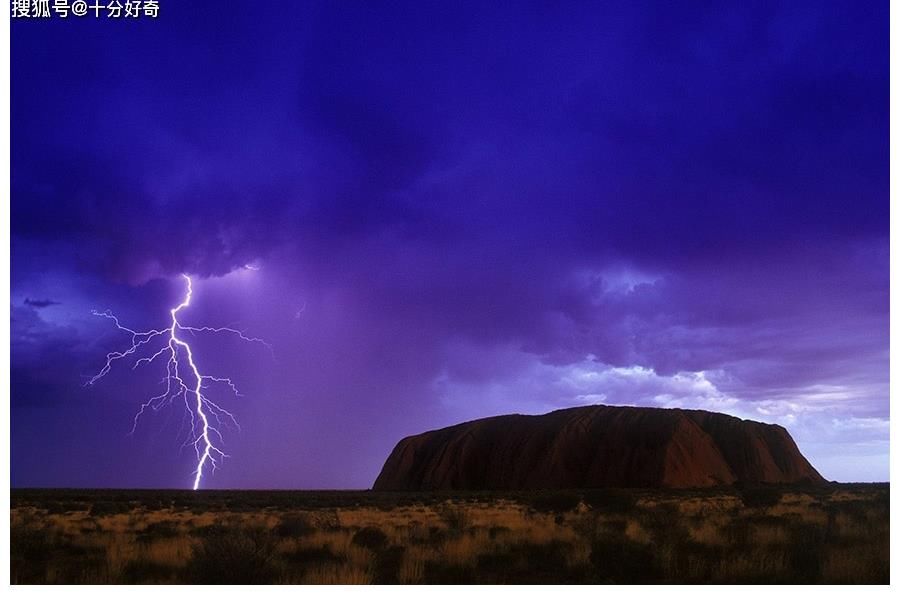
451,212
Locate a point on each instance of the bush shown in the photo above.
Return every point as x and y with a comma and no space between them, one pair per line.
141,571
231,556
528,563
56,508
371,538
307,557
555,502
805,552
294,526
610,501
456,517
620,561
387,565
30,552
441,573
103,508
160,529
760,497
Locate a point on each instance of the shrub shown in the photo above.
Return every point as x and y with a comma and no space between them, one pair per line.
440,573
294,526
371,538
555,502
528,563
319,555
141,571
56,508
231,556
30,552
160,529
387,565
103,508
611,501
805,552
760,497
621,561
456,517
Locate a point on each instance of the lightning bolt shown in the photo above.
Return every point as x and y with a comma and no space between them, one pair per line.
206,416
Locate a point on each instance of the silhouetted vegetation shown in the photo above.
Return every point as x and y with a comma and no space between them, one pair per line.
104,507
455,516
611,501
231,555
555,502
294,525
760,497
371,538
751,534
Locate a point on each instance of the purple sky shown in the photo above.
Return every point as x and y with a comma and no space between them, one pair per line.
452,212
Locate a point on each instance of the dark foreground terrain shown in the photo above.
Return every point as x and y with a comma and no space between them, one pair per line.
823,534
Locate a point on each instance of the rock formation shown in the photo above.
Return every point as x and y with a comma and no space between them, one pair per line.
597,446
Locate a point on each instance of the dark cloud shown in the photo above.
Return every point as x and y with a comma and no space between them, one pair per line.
40,303
42,368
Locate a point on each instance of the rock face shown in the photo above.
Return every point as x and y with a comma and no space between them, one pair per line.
597,446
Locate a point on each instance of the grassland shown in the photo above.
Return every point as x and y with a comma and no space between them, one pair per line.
827,534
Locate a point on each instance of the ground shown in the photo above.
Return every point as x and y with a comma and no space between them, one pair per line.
823,534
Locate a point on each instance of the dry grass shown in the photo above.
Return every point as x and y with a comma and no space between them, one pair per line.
338,574
770,535
635,532
839,536
412,570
